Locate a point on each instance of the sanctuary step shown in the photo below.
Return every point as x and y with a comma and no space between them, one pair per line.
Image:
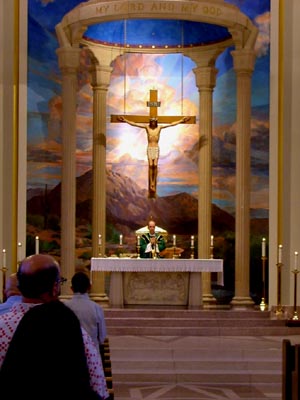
184,368
173,322
197,354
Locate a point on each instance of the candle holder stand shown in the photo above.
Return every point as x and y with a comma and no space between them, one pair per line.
18,265
4,270
192,252
295,314
154,255
263,304
138,250
174,252
211,252
120,250
279,308
99,250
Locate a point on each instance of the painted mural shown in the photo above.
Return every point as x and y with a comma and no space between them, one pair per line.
128,206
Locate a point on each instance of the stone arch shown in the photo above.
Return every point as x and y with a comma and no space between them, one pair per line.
70,32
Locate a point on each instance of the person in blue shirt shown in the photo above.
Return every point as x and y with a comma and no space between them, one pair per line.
89,313
12,294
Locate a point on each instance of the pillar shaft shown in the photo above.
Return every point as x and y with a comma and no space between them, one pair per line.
68,62
205,81
243,65
100,83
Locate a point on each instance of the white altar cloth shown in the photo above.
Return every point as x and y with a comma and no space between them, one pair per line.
120,266
159,265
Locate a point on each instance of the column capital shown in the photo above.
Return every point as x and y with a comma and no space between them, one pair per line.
100,76
100,68
68,59
205,77
244,39
206,57
243,60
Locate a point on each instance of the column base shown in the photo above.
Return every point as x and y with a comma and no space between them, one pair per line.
99,297
209,301
242,303
65,296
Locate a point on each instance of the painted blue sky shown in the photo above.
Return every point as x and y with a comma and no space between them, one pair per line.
172,76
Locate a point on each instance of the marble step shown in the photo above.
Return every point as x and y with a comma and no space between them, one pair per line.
204,377
202,331
181,313
197,367
195,323
202,361
187,322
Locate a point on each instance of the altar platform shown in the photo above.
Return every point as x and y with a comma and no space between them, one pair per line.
172,282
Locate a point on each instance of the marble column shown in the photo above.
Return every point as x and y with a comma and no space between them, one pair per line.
68,58
100,83
244,61
205,81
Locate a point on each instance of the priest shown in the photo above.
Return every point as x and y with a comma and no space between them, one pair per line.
151,243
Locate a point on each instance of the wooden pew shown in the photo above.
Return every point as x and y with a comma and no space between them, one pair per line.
290,370
106,362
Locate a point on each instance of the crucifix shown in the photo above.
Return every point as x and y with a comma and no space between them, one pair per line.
153,133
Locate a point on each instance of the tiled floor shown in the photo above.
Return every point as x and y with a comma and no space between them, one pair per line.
202,368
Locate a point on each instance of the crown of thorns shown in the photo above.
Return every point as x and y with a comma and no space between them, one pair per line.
153,119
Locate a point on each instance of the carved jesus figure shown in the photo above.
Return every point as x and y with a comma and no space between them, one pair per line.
153,134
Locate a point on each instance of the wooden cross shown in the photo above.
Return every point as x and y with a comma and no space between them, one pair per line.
153,133
153,105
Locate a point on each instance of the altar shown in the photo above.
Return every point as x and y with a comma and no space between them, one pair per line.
163,282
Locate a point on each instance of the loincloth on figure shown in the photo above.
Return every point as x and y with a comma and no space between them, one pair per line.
153,152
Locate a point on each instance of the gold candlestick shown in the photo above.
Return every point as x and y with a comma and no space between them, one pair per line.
138,246
3,269
153,251
121,250
279,309
211,252
192,252
295,314
174,252
263,304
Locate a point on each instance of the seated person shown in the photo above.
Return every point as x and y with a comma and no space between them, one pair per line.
89,313
39,282
151,243
46,357
12,294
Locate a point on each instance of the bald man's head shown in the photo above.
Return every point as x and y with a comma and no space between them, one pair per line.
39,277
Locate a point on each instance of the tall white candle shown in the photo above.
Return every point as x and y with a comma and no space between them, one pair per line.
174,240
192,241
263,247
138,240
212,240
19,251
296,259
99,240
121,240
4,258
280,254
37,245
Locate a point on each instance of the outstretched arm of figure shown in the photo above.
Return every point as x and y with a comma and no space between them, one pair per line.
123,119
184,119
